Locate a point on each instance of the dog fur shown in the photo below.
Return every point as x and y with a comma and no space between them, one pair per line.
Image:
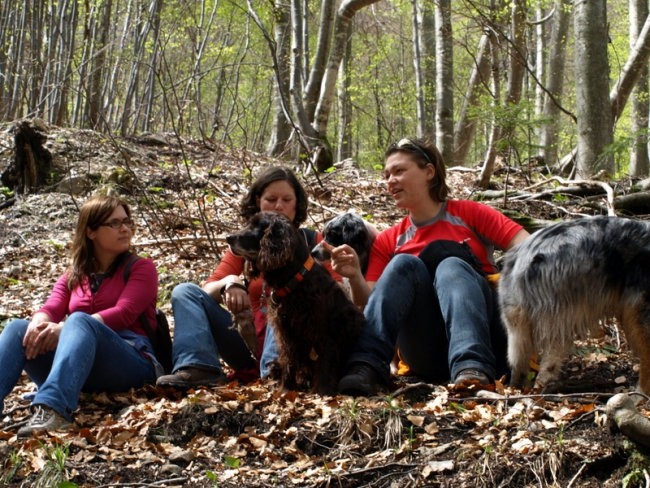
315,324
347,228
557,285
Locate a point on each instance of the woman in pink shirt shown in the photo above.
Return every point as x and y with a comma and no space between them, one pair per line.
88,336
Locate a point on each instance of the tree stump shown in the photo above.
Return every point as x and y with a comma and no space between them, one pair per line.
32,163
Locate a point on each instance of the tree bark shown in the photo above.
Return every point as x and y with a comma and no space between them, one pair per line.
418,68
345,106
323,154
495,129
631,71
281,128
428,50
466,124
313,86
444,74
639,161
554,81
593,105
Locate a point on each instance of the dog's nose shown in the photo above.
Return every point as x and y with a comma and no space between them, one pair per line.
230,240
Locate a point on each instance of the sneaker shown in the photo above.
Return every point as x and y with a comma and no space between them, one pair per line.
362,380
472,375
43,419
187,378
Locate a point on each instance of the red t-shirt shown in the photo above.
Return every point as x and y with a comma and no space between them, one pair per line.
480,226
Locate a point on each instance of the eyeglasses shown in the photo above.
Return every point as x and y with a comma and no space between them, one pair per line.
117,223
409,145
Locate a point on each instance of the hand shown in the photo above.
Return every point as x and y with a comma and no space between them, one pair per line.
236,298
344,260
40,338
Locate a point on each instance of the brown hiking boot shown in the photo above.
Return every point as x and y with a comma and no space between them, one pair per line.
187,378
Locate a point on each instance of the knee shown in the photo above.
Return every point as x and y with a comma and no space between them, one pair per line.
453,269
184,291
17,328
77,320
405,265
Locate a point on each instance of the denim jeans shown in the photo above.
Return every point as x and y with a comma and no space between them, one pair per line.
204,333
270,352
89,357
441,326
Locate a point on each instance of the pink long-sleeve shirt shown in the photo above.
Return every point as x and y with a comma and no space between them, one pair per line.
120,304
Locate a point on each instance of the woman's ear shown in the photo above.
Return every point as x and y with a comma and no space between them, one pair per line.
90,234
430,172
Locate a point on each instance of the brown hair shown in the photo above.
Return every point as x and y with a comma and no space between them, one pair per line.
423,152
94,212
249,205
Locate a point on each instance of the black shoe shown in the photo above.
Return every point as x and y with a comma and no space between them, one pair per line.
362,380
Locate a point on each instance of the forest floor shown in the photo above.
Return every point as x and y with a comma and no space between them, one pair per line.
185,198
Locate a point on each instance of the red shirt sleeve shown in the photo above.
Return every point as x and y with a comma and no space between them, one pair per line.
230,264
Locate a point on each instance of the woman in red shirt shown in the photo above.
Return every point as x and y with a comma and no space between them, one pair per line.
444,321
88,336
203,326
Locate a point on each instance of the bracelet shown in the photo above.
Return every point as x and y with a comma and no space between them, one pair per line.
232,284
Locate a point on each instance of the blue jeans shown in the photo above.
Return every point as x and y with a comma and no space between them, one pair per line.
204,333
270,352
440,327
89,357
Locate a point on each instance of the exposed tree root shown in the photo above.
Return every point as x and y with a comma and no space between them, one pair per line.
623,415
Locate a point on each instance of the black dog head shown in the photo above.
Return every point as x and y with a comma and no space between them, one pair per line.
269,242
350,229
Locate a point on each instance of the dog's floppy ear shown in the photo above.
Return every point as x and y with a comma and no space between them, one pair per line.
276,249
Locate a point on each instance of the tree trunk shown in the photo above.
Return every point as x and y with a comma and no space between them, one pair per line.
99,40
313,86
444,74
428,50
281,129
345,105
418,68
593,105
323,154
631,71
495,130
554,81
466,125
67,18
639,161
344,16
33,162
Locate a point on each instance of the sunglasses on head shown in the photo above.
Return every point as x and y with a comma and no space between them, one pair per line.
409,145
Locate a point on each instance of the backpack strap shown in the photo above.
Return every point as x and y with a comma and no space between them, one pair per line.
310,237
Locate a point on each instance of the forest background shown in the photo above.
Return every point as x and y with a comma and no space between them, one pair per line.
178,103
324,81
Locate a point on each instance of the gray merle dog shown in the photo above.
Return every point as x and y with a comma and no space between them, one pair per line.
558,284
